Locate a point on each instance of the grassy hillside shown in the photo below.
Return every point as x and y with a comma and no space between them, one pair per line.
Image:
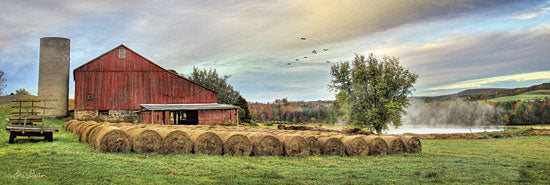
521,97
66,161
491,93
540,92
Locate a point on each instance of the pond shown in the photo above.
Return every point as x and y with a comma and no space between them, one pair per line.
424,129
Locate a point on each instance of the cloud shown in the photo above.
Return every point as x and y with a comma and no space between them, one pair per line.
477,83
195,29
540,10
207,30
526,16
239,37
461,56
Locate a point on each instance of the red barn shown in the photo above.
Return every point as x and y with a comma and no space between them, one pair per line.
123,85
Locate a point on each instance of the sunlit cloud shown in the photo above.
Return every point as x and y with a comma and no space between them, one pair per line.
543,9
478,83
525,16
460,56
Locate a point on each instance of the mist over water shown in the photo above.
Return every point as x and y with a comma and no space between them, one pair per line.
452,116
420,129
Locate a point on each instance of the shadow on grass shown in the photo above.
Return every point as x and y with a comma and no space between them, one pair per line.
534,172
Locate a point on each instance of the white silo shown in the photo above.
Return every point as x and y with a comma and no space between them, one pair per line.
53,79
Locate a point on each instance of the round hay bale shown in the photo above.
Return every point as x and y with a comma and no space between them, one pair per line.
265,144
294,145
112,139
126,124
235,143
79,129
377,146
71,127
206,142
314,145
355,145
175,141
395,144
145,140
93,134
412,144
85,135
332,146
69,123
130,128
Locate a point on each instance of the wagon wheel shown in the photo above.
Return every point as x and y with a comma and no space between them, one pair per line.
48,136
12,137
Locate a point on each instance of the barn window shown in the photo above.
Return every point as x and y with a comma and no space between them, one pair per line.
90,97
103,112
158,117
121,53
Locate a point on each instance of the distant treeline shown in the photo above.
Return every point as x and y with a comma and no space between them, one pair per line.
294,112
441,113
478,113
526,112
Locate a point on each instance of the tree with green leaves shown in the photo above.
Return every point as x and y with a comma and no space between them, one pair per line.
371,92
172,71
22,92
226,94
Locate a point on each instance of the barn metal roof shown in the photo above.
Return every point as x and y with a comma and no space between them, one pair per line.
209,106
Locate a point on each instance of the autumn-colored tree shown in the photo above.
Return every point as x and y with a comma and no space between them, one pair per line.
269,112
283,109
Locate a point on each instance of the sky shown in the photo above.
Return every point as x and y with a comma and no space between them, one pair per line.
451,45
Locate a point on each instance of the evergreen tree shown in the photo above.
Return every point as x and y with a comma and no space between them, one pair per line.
226,94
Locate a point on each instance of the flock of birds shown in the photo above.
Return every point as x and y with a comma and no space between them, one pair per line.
305,57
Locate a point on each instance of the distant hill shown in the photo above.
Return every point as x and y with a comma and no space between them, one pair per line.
9,98
491,93
538,92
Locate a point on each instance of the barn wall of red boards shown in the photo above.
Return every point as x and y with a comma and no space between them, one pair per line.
121,79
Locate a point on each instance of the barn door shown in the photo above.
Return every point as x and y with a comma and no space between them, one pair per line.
192,117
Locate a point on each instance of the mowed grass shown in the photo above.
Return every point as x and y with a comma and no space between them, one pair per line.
521,97
66,161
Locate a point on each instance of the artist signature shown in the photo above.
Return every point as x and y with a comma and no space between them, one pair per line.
31,174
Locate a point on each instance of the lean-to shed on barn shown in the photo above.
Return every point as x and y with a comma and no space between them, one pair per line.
123,85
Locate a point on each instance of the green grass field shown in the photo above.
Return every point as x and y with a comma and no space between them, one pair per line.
521,97
66,161
543,92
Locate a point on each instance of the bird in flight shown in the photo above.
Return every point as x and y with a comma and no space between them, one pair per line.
325,49
314,51
305,57
297,60
303,38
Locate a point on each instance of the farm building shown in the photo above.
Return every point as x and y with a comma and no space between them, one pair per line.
123,85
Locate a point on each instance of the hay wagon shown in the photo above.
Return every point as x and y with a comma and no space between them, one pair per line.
25,119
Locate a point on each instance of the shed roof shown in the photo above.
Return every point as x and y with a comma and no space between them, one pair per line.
208,106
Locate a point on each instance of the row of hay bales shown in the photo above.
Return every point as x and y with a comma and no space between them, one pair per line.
233,140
